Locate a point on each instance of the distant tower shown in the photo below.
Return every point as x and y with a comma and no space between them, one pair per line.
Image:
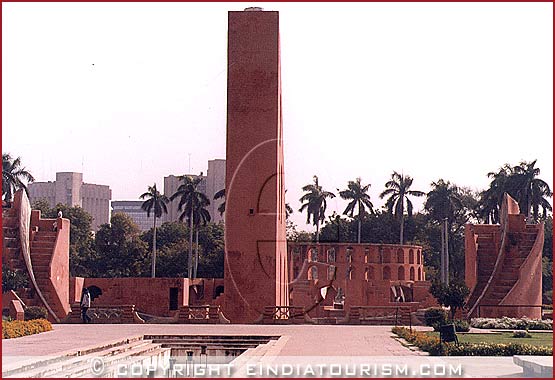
256,252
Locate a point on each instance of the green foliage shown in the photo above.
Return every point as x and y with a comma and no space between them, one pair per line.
81,241
14,176
35,312
435,316
461,326
119,250
452,296
431,344
315,204
521,334
13,280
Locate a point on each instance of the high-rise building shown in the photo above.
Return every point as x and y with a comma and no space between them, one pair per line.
69,189
135,212
211,183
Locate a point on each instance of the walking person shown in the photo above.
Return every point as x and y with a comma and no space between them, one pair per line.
85,304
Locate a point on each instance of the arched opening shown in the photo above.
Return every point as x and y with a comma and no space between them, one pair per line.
400,256
331,255
94,291
313,254
313,273
219,290
386,273
349,255
401,273
411,273
331,272
411,256
419,257
350,273
366,255
419,274
369,274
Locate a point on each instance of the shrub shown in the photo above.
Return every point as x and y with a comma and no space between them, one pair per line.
432,345
461,326
512,323
521,334
35,312
13,280
435,316
15,329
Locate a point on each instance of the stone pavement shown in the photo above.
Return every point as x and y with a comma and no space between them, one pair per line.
301,344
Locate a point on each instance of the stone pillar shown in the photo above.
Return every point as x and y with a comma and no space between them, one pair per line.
256,253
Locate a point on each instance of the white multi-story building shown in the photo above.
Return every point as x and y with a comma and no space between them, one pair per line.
69,189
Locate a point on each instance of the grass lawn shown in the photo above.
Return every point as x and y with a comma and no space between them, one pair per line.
537,339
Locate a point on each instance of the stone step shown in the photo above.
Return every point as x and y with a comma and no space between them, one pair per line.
66,365
42,244
41,250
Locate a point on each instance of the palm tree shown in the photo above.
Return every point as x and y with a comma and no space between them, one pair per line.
444,203
358,195
398,190
13,176
315,204
201,216
530,191
155,202
220,195
190,201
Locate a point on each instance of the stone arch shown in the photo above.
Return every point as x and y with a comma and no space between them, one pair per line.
386,273
331,272
313,273
411,275
349,254
419,274
366,255
400,256
411,256
419,257
313,254
369,273
401,273
350,273
331,255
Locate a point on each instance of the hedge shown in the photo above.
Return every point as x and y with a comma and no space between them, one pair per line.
512,323
431,344
15,329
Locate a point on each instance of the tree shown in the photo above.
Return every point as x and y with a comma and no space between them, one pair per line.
220,195
190,199
14,177
201,217
81,240
314,202
453,295
358,195
398,190
119,250
156,203
531,191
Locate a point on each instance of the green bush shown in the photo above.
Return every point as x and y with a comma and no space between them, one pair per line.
432,345
461,326
521,334
35,312
13,280
435,316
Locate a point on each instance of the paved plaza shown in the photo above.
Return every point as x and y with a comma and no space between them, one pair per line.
297,344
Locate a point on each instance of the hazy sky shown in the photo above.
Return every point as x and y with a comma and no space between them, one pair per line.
125,92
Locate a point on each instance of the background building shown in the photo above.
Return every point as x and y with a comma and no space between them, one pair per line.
211,183
69,189
135,212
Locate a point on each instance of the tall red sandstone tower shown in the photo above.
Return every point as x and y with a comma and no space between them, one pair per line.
255,244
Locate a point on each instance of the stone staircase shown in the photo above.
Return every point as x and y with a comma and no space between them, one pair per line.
114,359
486,256
512,261
11,247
